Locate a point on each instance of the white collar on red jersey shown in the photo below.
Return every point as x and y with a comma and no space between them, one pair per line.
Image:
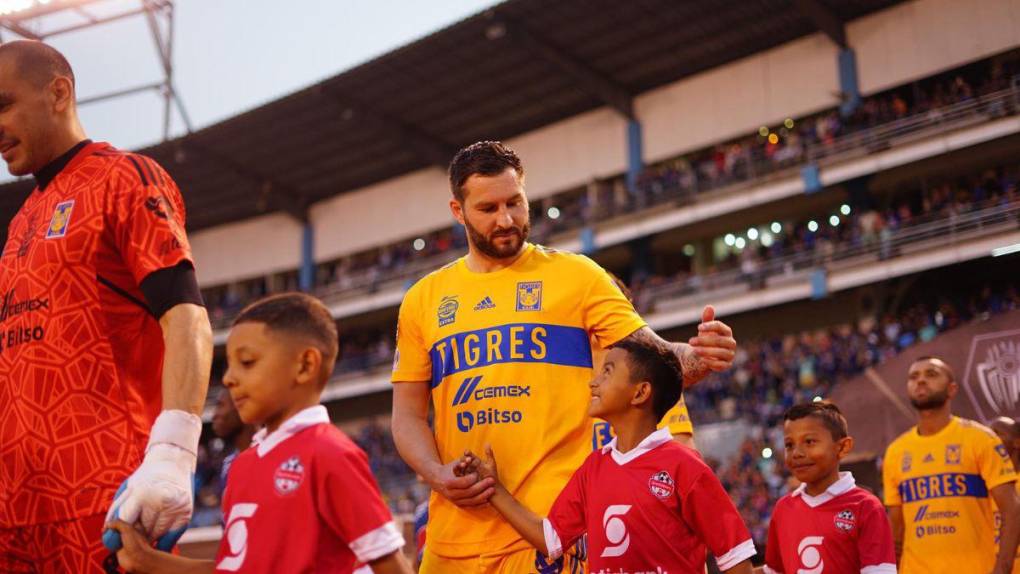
659,437
311,416
845,483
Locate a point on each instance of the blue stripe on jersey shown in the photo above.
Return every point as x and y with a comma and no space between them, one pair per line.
513,343
947,484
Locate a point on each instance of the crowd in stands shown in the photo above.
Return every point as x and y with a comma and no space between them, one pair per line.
677,180
809,242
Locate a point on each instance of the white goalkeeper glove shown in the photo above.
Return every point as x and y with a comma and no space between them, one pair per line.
158,495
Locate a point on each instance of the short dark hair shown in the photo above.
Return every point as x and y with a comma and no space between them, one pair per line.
949,370
38,62
826,412
297,314
487,158
659,366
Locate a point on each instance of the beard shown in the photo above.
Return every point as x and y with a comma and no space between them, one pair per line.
487,244
934,400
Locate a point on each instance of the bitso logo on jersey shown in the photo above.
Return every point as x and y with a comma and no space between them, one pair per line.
288,477
529,296
845,520
60,220
661,484
448,310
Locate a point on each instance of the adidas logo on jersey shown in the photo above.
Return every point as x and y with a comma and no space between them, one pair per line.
485,304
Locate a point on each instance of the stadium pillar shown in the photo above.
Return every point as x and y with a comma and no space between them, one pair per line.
306,279
848,84
635,154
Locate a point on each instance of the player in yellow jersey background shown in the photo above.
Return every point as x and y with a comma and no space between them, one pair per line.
498,343
1008,430
943,480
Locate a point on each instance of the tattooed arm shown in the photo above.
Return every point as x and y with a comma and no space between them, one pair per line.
712,350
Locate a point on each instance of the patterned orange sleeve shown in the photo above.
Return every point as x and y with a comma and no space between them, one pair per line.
148,219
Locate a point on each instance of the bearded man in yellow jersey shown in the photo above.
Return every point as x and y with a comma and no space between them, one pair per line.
1009,431
941,478
500,343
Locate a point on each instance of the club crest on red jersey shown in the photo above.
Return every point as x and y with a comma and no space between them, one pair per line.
845,520
288,477
60,220
661,484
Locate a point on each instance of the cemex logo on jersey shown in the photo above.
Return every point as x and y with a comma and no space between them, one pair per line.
236,533
288,477
992,378
617,537
845,520
469,390
661,484
810,558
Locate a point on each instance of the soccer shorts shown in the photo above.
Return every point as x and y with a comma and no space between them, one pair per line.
54,548
528,561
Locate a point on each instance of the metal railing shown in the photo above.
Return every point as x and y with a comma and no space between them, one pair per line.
936,230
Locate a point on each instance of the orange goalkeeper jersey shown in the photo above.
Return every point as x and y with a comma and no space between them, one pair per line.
80,353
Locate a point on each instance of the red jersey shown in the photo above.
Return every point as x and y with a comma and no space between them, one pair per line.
652,509
844,530
303,500
81,355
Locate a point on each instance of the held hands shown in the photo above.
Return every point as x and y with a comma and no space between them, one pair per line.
471,481
484,468
713,348
135,552
157,497
461,486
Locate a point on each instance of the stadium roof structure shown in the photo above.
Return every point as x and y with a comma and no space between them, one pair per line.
513,68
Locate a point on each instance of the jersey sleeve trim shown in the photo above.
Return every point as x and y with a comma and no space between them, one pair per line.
552,540
879,569
743,551
377,543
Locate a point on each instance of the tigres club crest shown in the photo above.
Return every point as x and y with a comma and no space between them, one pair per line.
661,484
845,520
529,296
954,453
288,477
992,378
60,220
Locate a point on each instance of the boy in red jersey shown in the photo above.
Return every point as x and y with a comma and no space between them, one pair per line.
302,498
647,503
828,524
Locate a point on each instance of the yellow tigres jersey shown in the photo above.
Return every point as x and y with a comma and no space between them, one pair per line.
942,482
509,358
677,419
